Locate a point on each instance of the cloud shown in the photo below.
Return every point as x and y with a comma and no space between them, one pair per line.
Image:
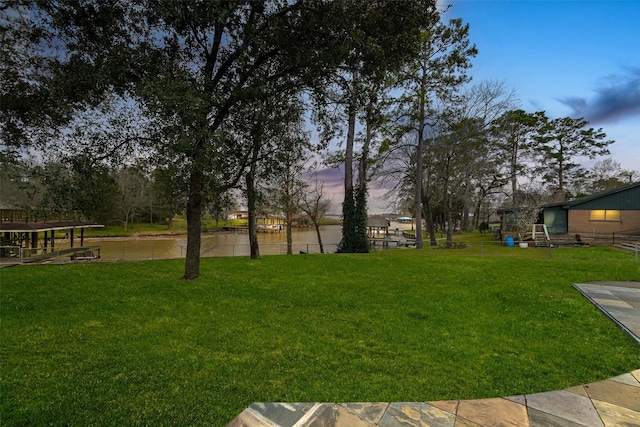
333,178
617,98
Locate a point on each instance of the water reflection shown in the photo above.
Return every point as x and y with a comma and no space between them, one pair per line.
219,244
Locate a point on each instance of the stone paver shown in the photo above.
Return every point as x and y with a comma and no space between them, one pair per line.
611,403
494,412
416,414
624,395
615,416
566,405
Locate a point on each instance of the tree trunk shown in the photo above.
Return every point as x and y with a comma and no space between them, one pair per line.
449,224
446,197
317,226
348,157
428,215
194,225
561,171
514,177
361,238
348,206
362,170
289,230
251,207
476,212
418,195
250,180
465,216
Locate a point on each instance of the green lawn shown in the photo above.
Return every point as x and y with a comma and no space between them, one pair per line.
132,344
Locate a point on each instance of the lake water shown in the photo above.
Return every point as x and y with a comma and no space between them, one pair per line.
219,244
222,244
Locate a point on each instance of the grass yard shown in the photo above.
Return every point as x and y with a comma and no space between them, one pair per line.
132,344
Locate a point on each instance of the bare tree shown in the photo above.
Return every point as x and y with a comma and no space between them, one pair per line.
133,194
315,204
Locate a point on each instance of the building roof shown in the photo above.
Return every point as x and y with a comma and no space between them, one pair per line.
30,227
6,207
377,221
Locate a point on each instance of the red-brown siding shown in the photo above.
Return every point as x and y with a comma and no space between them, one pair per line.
580,223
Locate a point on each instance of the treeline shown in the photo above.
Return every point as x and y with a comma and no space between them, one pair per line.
139,193
492,159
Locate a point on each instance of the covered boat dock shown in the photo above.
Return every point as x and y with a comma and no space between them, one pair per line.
36,240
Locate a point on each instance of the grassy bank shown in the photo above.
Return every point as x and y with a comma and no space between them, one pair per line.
132,344
178,226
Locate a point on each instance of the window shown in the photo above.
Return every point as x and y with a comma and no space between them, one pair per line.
605,215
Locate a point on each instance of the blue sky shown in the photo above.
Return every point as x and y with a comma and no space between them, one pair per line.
576,58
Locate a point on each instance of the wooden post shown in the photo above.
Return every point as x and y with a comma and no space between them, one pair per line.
71,238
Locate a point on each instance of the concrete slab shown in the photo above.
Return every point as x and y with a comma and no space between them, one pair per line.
618,300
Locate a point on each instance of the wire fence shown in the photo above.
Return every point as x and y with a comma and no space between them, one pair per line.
112,251
151,251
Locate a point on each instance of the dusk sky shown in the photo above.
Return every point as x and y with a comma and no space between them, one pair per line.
577,58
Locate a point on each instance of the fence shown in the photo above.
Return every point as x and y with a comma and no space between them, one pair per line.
119,253
11,255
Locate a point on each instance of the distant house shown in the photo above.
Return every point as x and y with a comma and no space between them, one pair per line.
10,213
301,220
613,211
238,215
